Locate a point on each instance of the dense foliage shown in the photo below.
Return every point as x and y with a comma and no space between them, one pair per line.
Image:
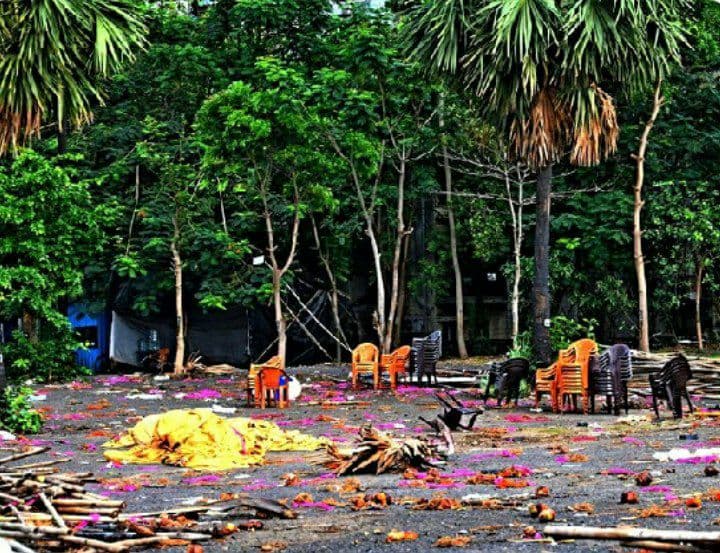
279,128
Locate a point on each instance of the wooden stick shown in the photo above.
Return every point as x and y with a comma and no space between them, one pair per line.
177,511
20,548
112,511
23,454
88,503
9,497
625,534
41,464
53,513
661,546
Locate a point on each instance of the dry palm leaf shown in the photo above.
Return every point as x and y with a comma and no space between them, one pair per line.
377,452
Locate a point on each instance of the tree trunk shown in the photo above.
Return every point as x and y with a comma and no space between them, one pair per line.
400,234
379,315
698,295
380,309
516,211
280,321
459,296
29,326
403,292
541,284
179,364
643,318
334,295
277,271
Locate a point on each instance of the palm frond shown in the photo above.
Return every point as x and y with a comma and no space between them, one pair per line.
535,65
52,54
436,32
596,139
540,138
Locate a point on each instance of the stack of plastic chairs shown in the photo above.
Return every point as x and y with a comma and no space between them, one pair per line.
573,378
426,352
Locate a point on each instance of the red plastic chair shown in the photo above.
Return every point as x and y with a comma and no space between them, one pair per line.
272,385
253,390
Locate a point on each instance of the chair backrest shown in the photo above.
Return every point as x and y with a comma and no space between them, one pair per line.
401,355
275,361
517,365
270,377
435,339
604,363
366,353
621,358
583,350
677,371
568,355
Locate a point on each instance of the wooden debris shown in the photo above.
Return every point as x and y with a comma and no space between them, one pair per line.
377,452
49,510
679,540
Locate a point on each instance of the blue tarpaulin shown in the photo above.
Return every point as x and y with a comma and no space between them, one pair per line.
93,331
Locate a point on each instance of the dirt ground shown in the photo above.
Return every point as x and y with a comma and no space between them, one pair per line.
581,459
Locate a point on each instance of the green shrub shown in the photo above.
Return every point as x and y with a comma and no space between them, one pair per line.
49,358
17,414
564,331
522,347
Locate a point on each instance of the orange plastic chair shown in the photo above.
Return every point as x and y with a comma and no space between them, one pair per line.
573,376
545,383
365,360
546,380
272,385
253,390
395,363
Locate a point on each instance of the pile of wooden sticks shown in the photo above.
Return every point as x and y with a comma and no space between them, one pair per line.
41,507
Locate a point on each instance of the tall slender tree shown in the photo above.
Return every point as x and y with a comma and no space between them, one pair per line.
537,66
52,55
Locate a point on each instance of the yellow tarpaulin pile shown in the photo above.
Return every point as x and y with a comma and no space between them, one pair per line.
200,439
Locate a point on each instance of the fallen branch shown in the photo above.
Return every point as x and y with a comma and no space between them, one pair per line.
633,534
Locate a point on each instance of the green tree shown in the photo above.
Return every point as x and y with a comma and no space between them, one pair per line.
537,67
49,230
53,54
258,143
684,216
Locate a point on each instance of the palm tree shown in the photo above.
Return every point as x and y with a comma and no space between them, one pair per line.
537,66
53,54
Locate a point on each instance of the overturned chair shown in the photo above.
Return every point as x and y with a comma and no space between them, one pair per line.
455,415
670,384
